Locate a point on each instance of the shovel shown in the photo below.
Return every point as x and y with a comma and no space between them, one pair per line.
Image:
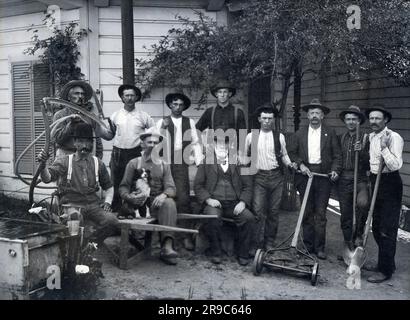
360,255
347,253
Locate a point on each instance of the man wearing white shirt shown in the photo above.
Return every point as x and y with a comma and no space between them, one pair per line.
270,154
316,148
386,144
128,123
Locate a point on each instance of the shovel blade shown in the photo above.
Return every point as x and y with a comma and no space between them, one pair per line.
347,255
358,258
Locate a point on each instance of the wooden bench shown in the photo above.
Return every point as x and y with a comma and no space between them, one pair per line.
149,225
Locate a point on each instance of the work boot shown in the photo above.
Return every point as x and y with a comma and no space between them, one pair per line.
168,254
378,278
370,266
243,261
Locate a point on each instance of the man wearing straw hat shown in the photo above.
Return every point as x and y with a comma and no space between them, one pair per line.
78,92
350,144
162,189
388,145
316,149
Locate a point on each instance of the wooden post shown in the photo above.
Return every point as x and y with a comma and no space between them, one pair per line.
127,29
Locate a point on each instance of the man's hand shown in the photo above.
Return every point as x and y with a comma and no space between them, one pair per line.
107,207
305,170
385,140
357,146
239,208
42,156
159,200
213,203
334,176
293,165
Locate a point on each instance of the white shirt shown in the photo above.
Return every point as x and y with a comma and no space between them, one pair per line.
130,124
392,155
225,164
197,150
314,136
266,158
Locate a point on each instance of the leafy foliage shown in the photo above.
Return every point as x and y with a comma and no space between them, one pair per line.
60,51
274,38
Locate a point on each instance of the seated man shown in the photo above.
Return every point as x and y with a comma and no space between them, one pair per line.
79,176
222,190
162,190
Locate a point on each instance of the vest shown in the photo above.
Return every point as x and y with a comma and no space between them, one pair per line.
277,146
224,189
171,129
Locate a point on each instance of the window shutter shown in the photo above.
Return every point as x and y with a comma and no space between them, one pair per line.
30,85
22,112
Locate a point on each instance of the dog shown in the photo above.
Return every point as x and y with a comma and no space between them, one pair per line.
140,188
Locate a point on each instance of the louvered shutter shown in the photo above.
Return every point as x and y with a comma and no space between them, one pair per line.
30,85
23,115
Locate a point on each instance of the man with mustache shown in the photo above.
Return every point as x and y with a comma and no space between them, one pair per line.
222,190
78,92
352,117
162,189
316,149
388,145
79,177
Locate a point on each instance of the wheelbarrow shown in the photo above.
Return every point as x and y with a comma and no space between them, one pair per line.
287,257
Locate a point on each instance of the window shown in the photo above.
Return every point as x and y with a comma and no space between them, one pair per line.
30,83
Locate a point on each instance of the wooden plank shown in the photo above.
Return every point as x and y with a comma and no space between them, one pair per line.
187,216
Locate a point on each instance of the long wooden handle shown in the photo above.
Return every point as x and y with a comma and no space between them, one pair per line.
301,213
372,204
356,168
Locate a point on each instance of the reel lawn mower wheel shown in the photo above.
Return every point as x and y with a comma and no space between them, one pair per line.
315,274
257,265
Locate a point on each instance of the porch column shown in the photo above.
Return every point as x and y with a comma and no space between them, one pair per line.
127,29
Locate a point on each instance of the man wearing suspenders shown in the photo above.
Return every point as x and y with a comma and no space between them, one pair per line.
351,117
79,177
267,148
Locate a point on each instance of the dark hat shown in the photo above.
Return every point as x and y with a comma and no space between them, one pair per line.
123,87
267,108
153,131
381,108
315,103
223,84
354,110
83,130
177,95
88,90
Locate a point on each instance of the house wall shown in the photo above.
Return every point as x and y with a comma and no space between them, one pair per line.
338,92
14,39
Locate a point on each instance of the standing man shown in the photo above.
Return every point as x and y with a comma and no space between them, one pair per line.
129,123
222,190
78,92
162,190
224,115
386,144
178,127
316,149
270,155
353,117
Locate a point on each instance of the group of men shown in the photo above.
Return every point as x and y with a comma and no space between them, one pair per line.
243,187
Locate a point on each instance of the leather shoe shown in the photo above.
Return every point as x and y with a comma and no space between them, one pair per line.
216,259
321,255
370,266
378,278
243,261
168,256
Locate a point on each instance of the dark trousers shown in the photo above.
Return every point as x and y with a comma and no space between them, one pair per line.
314,221
180,175
244,223
267,195
386,217
166,215
118,162
345,191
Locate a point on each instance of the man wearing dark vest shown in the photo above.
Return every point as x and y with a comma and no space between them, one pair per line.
316,148
267,149
352,117
224,115
222,190
180,133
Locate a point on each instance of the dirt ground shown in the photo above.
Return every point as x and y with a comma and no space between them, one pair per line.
196,278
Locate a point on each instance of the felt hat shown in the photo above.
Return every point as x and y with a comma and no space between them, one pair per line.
123,87
83,130
177,95
354,110
88,90
223,84
267,108
381,108
315,103
153,131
